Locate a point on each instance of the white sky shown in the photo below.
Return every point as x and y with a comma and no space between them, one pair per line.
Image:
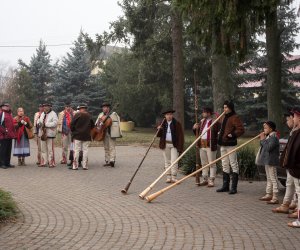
25,22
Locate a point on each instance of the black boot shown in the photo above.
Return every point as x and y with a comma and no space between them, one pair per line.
235,179
80,159
71,158
226,180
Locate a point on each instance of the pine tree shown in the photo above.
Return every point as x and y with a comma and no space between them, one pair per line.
74,81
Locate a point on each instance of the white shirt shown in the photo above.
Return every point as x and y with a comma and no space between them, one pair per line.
169,134
204,137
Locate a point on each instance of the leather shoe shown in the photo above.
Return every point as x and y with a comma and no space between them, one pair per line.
112,164
9,166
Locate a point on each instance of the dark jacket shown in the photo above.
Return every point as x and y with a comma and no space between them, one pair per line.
290,157
213,142
176,132
269,151
231,124
7,128
81,126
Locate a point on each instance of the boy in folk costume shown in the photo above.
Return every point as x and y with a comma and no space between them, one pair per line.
7,134
290,159
64,124
81,127
36,128
231,128
269,157
112,132
289,200
208,146
171,142
47,132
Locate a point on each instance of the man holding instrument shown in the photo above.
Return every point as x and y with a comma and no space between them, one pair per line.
112,132
208,146
171,142
231,128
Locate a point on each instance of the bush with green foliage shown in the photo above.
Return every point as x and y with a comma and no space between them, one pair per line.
8,207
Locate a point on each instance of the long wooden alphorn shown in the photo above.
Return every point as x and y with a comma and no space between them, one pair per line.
124,191
147,190
160,192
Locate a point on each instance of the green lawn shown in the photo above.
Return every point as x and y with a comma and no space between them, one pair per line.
8,207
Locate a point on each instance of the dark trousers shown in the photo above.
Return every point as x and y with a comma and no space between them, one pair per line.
5,151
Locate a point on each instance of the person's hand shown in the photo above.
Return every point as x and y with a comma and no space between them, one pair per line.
23,122
262,136
159,127
196,126
229,135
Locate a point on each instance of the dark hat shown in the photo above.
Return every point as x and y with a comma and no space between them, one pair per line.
167,110
296,111
5,104
46,104
207,110
82,106
271,124
105,104
41,105
229,104
288,113
67,104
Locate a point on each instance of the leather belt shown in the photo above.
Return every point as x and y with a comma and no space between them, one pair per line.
170,142
204,143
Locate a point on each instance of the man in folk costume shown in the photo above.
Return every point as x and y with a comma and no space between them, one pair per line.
231,128
36,128
171,142
7,134
47,132
81,127
208,146
290,159
64,124
111,133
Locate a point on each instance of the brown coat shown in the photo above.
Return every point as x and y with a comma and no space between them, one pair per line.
290,157
177,135
81,126
230,124
213,142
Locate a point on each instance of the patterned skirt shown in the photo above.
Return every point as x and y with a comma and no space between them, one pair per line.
22,148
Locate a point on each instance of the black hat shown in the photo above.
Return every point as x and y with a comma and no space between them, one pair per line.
41,105
207,110
67,104
271,124
167,110
82,106
47,104
296,111
288,113
5,104
229,104
105,104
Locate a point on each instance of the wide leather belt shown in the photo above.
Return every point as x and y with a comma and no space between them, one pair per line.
204,143
169,142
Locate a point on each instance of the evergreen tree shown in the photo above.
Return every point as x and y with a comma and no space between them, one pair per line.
74,81
41,72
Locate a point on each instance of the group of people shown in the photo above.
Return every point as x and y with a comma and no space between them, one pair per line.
225,133
74,126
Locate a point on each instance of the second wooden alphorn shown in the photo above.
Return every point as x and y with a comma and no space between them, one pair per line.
147,190
160,192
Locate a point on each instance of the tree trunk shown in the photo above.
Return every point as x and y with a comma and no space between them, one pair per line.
222,84
274,69
177,58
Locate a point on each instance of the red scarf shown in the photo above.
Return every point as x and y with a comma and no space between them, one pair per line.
68,119
20,130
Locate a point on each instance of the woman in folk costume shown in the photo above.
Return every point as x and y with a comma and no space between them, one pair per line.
21,146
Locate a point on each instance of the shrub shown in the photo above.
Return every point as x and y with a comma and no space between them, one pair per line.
8,207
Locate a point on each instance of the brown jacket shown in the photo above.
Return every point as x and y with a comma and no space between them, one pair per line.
290,157
230,124
213,142
81,126
177,135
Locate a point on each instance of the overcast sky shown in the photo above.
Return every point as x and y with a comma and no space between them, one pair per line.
25,22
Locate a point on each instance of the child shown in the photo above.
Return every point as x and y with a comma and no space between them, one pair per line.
269,157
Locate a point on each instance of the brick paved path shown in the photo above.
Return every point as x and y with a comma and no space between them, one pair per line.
64,209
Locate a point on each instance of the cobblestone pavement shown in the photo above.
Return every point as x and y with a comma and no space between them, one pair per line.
64,209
